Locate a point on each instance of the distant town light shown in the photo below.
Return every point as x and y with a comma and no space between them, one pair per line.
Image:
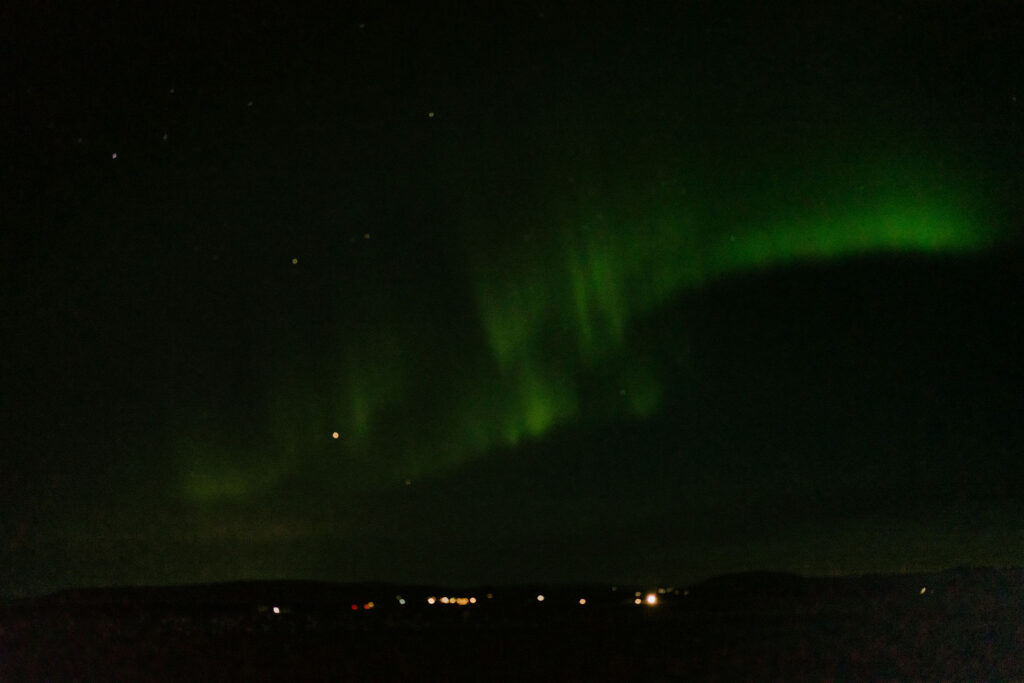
335,435
652,599
923,589
276,609
583,601
540,598
431,600
637,601
472,601
444,600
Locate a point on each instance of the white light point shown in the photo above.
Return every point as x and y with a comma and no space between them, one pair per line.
277,610
540,598
651,599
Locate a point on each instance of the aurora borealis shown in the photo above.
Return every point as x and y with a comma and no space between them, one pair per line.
561,305
296,296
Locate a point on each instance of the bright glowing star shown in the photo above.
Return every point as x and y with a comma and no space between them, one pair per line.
472,601
444,600
540,598
923,589
583,601
637,601
431,600
335,435
277,610
651,599
462,601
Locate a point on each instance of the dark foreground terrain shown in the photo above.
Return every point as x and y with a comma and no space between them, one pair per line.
959,624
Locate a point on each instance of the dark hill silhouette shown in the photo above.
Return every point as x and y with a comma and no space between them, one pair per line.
957,624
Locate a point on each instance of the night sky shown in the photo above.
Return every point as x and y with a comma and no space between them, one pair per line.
429,292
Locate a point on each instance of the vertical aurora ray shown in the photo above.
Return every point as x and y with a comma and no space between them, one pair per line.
371,382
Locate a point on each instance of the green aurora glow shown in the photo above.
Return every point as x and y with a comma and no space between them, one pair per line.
562,305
